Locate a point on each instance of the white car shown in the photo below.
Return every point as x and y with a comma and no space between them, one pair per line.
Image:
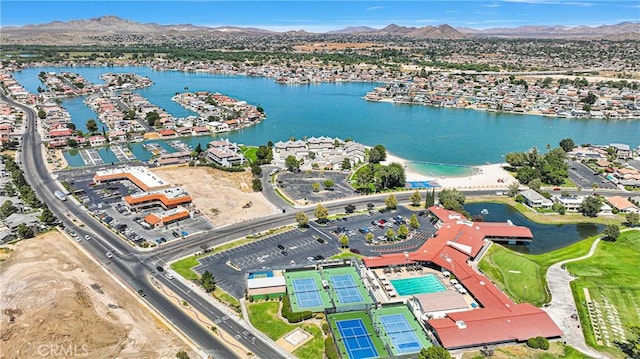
109,255
169,276
87,237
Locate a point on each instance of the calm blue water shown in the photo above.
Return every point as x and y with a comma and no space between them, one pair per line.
546,237
416,133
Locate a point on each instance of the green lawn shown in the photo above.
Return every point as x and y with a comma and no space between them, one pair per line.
345,254
264,316
557,350
611,276
511,270
183,267
250,153
227,298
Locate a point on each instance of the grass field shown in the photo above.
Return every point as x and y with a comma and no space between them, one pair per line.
544,217
512,271
345,253
264,316
557,350
611,277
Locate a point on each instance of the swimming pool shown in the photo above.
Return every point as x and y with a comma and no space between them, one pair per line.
418,285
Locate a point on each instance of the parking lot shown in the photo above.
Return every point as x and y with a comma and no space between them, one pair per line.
586,178
105,202
303,246
292,247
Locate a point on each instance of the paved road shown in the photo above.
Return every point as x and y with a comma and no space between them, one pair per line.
132,267
563,305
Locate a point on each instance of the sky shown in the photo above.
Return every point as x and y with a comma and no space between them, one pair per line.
322,16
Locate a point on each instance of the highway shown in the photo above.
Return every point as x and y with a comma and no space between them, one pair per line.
131,266
134,266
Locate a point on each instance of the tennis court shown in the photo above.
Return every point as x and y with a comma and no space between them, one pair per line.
401,333
346,289
356,339
306,292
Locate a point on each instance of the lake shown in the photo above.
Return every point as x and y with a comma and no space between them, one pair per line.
546,237
416,133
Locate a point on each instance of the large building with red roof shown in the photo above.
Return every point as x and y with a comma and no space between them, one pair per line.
498,319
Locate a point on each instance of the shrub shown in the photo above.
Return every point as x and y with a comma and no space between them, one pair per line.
292,317
325,328
533,343
520,198
330,350
543,343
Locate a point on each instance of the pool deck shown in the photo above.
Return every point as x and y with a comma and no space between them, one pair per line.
385,293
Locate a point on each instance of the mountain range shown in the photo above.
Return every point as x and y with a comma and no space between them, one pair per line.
58,31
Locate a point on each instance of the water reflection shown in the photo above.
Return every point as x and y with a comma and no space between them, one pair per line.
546,237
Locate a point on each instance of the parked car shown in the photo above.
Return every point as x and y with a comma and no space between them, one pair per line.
109,255
169,276
87,237
142,293
175,234
280,246
354,250
160,269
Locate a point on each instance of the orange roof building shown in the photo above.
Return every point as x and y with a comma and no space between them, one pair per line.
499,319
167,217
167,198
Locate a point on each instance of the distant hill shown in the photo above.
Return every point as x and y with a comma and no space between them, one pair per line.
625,29
92,31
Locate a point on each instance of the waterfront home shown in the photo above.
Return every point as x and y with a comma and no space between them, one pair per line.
623,205
225,157
534,199
623,151
167,133
570,203
96,141
59,133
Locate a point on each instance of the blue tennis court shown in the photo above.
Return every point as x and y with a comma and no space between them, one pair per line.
403,336
346,289
356,339
306,292
422,184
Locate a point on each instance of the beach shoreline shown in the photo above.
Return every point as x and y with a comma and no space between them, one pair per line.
487,176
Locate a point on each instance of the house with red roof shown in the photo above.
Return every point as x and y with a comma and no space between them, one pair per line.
497,319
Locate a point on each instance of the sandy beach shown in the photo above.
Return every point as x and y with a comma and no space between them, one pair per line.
491,176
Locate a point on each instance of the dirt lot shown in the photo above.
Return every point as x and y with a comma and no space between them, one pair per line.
331,46
56,302
223,197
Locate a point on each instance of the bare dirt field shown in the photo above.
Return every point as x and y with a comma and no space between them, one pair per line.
223,197
56,302
336,46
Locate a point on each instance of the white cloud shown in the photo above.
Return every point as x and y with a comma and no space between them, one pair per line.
491,5
374,8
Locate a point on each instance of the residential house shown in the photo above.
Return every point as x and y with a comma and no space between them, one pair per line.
623,205
623,151
534,199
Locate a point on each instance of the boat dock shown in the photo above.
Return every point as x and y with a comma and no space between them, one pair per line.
180,146
155,148
91,157
123,154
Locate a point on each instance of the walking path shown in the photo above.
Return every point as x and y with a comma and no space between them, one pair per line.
563,305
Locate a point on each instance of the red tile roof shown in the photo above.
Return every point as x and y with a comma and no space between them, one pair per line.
450,248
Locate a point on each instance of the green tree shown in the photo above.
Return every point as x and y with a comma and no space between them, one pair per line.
366,175
198,149
42,114
567,144
256,170
590,206
430,198
515,159
368,237
632,219
374,156
344,241
611,233
182,355
315,186
328,183
434,352
391,202
6,209
92,126
152,118
24,231
72,143
350,208
403,231
256,185
391,176
71,126
535,184
382,151
346,164
292,164
47,216
321,212
264,154
390,234
302,219
413,222
514,187
207,281
559,208
415,198
452,199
